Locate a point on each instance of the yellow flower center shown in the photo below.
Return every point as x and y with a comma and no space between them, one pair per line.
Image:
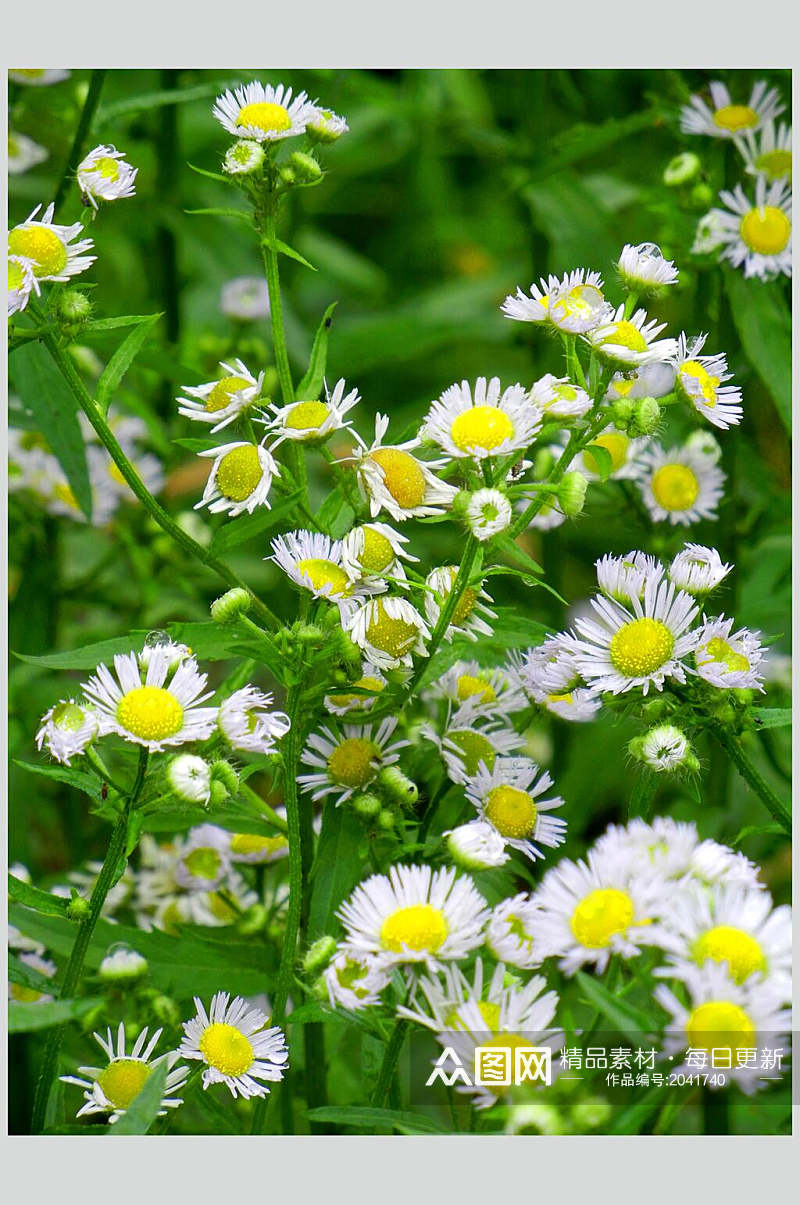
107,167
473,748
68,716
322,573
579,302
372,684
675,487
707,383
641,647
122,1081
490,1014
566,698
723,943
15,275
402,476
565,393
600,915
349,974
239,472
419,927
511,811
222,393
766,230
30,72
226,1048
42,246
150,712
24,995
615,444
775,164
720,1024
203,863
482,427
396,637
253,843
720,651
625,334
306,416
264,115
378,553
352,763
736,117
469,686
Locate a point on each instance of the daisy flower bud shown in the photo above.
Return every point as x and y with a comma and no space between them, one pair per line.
244,158
73,310
305,167
105,176
224,773
190,778
701,195
704,443
397,786
325,126
488,514
681,169
230,606
318,955
476,846
385,820
67,729
366,806
698,570
572,493
78,909
643,268
122,965
664,748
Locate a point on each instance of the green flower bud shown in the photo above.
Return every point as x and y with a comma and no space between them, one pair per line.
253,921
591,1113
348,650
572,493
231,605
317,956
286,176
621,413
645,417
305,167
397,785
78,909
366,806
681,169
386,820
309,633
122,965
460,503
654,709
165,1011
218,794
73,311
224,773
319,990
244,158
701,195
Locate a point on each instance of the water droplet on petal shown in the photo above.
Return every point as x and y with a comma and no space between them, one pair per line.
153,639
650,249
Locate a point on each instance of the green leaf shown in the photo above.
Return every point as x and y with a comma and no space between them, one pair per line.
80,779
247,527
43,390
631,1119
195,444
751,830
336,870
284,249
512,550
203,171
154,100
112,324
143,1109
364,1118
121,361
25,1018
27,976
311,384
615,1009
207,640
514,631
34,897
599,460
772,717
89,656
764,326
241,214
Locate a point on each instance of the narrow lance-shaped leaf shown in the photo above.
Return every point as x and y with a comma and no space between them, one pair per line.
121,361
143,1109
311,384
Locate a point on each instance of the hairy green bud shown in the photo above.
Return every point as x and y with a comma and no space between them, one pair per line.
306,169
224,773
386,820
78,909
681,169
366,806
397,785
318,955
229,606
701,195
572,493
73,311
645,417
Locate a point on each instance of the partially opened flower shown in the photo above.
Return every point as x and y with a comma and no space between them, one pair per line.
240,480
625,577
679,485
722,118
312,421
263,112
557,397
236,1044
325,125
355,980
67,729
397,482
247,722
729,660
627,342
508,798
49,248
476,846
697,569
112,1089
221,402
701,380
574,303
643,268
103,175
510,933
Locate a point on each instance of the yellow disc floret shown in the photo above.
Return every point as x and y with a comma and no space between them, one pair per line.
735,118
625,334
373,685
42,246
675,487
720,651
222,393
252,843
107,167
473,748
122,1081
150,712
641,647
511,811
471,687
226,1048
418,927
264,115
69,717
322,574
306,416
353,762
775,164
703,380
239,472
402,476
203,863
600,916
723,943
720,1024
16,276
396,637
377,553
766,231
615,444
483,427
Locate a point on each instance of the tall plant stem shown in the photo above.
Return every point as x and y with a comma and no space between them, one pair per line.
72,975
734,747
81,134
445,615
154,508
266,226
389,1065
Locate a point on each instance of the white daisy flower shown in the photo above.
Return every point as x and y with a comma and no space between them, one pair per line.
24,153
629,342
375,550
644,268
698,570
18,993
710,233
190,778
313,561
547,667
389,630
236,1045
113,1088
325,125
355,980
221,402
767,151
723,1016
732,925
66,729
243,158
21,283
488,514
172,651
756,235
204,858
49,247
16,938
711,863
467,618
557,397
593,909
485,691
636,647
624,451
312,420
245,298
482,422
263,113
700,379
246,722
510,933
665,748
415,914
156,712
348,761
578,706
625,577
103,175
655,379
507,797
395,481
728,661
351,697
258,850
476,846
240,479
438,997
574,303
38,77
722,118
679,485
122,965
470,742
671,850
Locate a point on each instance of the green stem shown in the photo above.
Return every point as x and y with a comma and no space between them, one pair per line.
445,615
777,808
389,1065
72,975
95,763
81,134
266,228
268,813
154,508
